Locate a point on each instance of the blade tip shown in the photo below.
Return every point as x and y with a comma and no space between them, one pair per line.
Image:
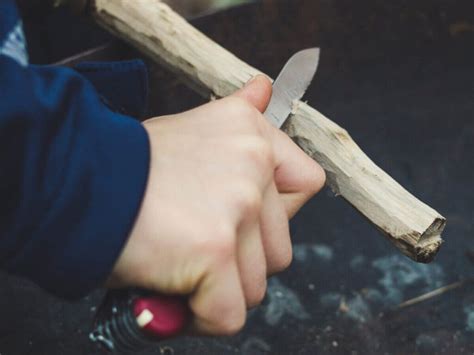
315,51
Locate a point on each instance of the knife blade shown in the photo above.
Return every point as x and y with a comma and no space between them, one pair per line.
291,84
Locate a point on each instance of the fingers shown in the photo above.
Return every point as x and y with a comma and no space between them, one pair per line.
297,176
275,232
252,265
257,92
263,245
218,304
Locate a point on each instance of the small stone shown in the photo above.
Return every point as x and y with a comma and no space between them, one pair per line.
335,344
166,350
343,307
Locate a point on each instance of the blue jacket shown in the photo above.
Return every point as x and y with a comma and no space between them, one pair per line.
72,170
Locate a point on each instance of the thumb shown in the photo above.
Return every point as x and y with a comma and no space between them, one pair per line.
257,91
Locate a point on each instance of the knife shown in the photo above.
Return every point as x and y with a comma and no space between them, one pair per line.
291,85
131,320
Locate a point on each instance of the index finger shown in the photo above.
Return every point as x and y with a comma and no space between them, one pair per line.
297,176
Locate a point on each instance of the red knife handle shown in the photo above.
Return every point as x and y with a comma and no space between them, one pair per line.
132,320
161,316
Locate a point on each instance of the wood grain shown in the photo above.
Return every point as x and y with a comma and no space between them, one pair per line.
156,30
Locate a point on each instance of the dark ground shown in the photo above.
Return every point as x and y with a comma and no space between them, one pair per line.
399,76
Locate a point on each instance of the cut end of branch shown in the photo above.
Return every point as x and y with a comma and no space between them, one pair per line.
426,251
430,241
428,244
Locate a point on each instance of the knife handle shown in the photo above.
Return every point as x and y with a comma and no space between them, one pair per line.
132,320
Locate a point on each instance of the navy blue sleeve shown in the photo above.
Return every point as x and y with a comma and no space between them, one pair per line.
72,176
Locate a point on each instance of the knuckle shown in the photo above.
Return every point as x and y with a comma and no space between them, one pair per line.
223,248
259,151
248,199
241,108
243,112
218,243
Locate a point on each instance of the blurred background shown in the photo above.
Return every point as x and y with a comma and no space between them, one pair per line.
196,7
398,75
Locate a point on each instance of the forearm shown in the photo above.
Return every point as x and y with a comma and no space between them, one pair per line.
73,175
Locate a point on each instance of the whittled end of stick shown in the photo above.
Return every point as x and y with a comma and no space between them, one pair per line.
427,244
412,226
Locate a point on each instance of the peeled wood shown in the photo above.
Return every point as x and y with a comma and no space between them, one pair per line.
166,37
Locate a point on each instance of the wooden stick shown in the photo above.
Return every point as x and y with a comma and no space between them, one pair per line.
155,29
434,293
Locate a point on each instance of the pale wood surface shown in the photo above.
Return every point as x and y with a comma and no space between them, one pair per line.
154,28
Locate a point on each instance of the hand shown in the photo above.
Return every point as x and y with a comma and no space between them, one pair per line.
213,223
